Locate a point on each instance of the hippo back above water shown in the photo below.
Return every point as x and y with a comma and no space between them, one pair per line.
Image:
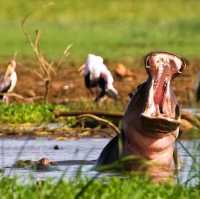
151,121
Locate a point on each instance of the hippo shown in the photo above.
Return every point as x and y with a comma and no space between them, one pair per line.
150,124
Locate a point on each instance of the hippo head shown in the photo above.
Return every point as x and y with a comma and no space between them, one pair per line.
154,105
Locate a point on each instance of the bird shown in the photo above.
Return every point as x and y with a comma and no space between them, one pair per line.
97,75
8,81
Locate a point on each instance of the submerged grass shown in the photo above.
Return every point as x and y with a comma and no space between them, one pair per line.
114,187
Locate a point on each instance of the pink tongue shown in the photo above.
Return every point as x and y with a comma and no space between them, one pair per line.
159,86
158,96
159,91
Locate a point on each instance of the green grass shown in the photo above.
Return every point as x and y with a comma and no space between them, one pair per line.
136,187
26,113
113,29
40,113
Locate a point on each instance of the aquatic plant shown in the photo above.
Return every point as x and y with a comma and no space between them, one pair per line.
107,187
26,113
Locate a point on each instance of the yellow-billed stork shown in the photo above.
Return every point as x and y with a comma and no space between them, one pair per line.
8,81
96,74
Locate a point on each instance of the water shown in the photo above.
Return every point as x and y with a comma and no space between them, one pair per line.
188,152
83,149
35,149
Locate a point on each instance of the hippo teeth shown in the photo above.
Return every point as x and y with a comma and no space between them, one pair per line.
159,101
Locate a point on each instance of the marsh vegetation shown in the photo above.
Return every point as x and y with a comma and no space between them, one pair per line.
121,33
130,187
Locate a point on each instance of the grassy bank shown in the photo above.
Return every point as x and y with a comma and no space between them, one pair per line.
40,113
26,113
133,187
113,29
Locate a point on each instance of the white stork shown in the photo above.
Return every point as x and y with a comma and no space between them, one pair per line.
96,74
8,81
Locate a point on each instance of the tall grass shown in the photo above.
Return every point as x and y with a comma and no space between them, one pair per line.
123,188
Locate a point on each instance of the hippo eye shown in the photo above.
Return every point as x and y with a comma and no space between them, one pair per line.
130,95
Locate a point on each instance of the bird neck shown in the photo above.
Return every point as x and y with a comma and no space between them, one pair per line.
13,79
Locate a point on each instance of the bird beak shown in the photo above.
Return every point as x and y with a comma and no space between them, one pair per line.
113,94
81,69
11,67
8,71
13,63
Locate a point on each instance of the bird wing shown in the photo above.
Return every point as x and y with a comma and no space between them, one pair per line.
94,65
4,84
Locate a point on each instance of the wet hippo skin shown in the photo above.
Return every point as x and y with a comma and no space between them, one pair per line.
151,121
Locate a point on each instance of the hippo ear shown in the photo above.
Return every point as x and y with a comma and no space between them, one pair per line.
184,64
147,61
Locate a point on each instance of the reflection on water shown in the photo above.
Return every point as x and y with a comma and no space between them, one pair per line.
190,161
83,149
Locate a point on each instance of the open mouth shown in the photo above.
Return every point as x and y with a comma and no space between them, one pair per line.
162,113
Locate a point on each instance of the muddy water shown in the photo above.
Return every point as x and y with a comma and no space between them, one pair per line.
83,149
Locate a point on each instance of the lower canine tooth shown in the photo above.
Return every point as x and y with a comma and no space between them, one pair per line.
157,109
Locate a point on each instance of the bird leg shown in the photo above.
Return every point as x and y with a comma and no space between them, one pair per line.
101,94
6,99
